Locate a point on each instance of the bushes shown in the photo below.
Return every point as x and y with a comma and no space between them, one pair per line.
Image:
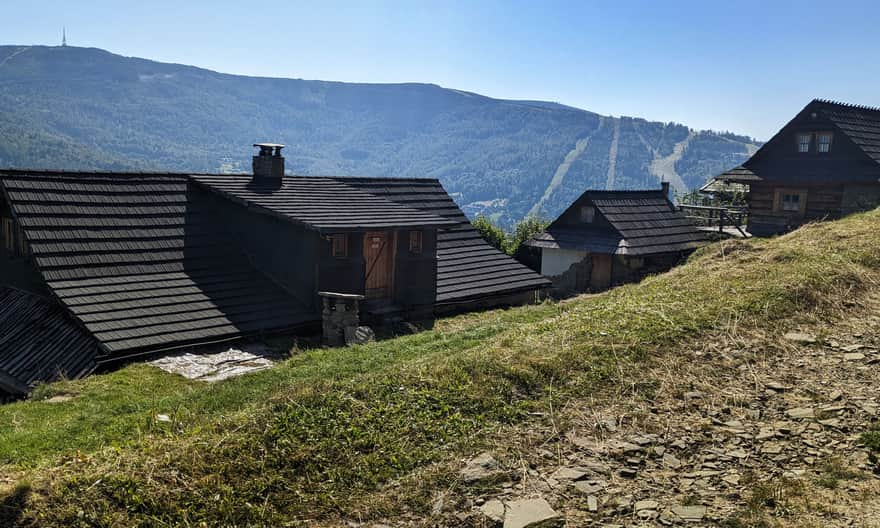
509,243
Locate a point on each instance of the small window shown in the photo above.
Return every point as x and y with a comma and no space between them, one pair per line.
8,232
824,144
790,201
588,213
804,142
339,246
415,242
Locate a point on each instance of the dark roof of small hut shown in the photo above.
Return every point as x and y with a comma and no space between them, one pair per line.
642,222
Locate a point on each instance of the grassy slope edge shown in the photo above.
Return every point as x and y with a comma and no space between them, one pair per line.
313,439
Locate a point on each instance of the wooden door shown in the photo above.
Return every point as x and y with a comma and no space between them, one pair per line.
600,277
377,257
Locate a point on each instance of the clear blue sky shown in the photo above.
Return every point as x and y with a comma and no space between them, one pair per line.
744,66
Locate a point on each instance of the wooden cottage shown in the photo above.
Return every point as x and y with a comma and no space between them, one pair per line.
607,238
153,262
825,163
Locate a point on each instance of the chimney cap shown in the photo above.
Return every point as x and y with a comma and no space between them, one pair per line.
270,145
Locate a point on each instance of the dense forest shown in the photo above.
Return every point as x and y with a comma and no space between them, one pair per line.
86,108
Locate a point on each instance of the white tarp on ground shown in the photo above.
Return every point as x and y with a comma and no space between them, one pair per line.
219,366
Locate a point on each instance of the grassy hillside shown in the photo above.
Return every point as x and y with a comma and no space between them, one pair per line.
87,108
322,436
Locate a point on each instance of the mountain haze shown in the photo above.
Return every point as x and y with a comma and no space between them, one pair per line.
86,108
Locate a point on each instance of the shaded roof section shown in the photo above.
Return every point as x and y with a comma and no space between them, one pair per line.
738,174
140,260
467,266
40,342
860,123
325,204
642,223
717,185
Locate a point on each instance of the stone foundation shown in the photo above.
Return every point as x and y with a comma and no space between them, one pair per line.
341,316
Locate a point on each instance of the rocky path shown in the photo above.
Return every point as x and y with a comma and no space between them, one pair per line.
747,429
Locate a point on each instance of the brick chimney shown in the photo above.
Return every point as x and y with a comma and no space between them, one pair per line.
268,164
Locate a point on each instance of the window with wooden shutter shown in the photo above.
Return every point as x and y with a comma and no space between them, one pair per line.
588,214
415,242
339,246
7,232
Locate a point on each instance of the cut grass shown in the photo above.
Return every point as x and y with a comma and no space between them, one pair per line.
314,439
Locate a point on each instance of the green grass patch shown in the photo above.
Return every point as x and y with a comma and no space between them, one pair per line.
316,437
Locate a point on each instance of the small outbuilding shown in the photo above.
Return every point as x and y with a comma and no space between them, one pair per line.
607,238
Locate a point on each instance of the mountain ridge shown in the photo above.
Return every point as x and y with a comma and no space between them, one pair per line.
87,108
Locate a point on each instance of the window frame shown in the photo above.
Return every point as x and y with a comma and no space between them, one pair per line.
339,245
799,136
819,135
779,200
416,242
588,214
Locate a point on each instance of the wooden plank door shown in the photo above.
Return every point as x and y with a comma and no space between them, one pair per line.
600,277
377,257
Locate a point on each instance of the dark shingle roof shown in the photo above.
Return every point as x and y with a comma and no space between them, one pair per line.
860,123
645,221
467,266
739,174
40,342
140,261
323,203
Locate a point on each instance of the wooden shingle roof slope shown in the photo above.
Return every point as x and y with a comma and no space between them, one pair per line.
643,223
139,260
860,123
468,268
39,342
325,204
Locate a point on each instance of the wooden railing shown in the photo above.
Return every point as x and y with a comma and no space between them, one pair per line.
720,217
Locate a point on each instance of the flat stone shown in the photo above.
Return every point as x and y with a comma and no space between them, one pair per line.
853,356
694,395
589,487
483,467
852,348
690,513
732,479
627,473
836,395
568,473
800,413
531,513
671,462
776,386
771,449
646,505
800,337
592,503
494,510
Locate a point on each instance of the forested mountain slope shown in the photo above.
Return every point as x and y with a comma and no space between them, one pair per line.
68,107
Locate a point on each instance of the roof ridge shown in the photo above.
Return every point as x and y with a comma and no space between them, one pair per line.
847,105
